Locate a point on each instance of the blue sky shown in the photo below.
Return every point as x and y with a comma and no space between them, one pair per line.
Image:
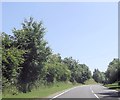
86,31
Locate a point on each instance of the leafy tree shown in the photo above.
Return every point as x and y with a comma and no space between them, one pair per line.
118,71
113,70
31,39
111,75
86,74
55,70
12,58
79,72
99,76
72,66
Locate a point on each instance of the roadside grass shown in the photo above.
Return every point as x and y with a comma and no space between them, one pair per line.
114,86
0,95
90,81
42,91
45,91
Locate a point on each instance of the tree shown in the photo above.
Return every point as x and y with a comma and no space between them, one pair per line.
12,58
31,39
118,71
99,76
79,72
72,66
55,70
113,71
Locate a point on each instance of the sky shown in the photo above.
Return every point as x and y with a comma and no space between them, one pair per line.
87,31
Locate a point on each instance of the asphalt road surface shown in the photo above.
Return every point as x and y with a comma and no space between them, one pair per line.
88,91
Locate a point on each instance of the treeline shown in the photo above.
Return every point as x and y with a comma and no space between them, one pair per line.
111,75
28,61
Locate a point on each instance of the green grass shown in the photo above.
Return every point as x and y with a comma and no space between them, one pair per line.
113,86
90,81
0,95
42,91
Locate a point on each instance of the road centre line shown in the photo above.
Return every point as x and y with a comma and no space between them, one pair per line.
93,92
70,90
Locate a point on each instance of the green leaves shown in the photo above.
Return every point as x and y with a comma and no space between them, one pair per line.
99,76
12,58
111,75
56,70
79,72
31,39
113,71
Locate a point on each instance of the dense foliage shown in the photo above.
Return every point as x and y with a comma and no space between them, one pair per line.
111,75
12,58
99,76
28,61
79,72
113,71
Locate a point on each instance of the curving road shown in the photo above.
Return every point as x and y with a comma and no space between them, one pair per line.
88,91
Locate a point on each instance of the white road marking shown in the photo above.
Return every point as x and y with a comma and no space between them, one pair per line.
94,92
63,93
96,96
70,90
91,90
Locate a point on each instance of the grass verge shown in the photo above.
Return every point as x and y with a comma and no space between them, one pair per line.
45,91
114,86
90,81
42,91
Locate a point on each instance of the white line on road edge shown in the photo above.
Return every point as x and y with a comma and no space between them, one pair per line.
94,92
63,93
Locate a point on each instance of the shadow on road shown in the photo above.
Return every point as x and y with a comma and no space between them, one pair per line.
109,94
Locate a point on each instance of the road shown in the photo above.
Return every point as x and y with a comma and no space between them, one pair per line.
88,91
